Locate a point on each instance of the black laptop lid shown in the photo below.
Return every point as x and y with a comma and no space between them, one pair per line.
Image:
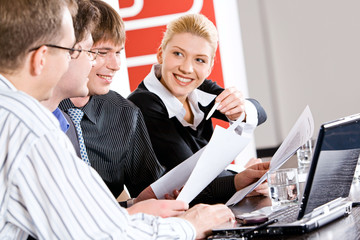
333,165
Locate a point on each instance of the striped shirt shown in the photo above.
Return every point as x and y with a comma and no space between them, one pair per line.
48,192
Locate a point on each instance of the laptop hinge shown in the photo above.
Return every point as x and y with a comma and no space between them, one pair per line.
324,209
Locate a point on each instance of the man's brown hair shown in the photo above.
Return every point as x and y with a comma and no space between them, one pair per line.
25,24
111,26
86,19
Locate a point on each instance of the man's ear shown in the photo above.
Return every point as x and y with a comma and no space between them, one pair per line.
159,55
38,60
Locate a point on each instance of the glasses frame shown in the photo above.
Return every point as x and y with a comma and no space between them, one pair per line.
107,53
91,53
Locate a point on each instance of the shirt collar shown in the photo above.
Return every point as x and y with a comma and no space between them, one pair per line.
88,109
197,97
173,106
4,83
64,124
152,83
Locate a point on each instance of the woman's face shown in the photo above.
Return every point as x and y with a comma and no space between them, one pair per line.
186,61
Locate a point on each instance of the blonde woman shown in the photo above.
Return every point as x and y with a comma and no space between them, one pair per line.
176,97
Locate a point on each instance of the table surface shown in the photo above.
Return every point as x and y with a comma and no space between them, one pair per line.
346,228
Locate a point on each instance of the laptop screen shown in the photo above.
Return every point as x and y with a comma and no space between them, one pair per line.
333,165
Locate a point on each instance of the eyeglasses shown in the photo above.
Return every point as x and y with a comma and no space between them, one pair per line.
104,53
91,53
74,53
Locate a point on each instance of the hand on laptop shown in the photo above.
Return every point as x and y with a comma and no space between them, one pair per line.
162,208
251,175
205,217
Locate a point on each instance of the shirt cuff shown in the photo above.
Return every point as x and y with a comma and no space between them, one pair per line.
183,225
247,128
251,113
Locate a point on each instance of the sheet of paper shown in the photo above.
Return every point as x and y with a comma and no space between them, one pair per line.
199,170
177,177
302,130
221,150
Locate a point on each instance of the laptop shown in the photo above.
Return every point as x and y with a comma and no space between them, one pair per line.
328,184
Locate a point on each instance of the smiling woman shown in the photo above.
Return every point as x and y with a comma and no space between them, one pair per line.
186,61
175,97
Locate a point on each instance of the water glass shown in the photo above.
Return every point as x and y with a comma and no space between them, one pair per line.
304,155
284,186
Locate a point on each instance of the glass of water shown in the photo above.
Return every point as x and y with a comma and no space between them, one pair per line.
304,155
284,186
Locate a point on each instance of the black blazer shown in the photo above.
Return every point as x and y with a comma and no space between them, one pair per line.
172,142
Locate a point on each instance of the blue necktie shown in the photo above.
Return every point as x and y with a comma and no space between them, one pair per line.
76,115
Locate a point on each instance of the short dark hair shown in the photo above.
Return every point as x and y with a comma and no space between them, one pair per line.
25,24
86,19
111,26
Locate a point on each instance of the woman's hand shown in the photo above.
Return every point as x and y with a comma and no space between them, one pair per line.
232,103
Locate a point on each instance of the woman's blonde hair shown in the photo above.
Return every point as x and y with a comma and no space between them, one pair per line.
196,24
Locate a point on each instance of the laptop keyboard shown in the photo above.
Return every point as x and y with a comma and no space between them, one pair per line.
286,215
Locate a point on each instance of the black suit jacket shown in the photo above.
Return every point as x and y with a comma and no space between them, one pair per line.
172,142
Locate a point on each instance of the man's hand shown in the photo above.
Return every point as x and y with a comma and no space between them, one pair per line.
146,194
162,208
262,189
251,175
174,196
232,103
253,161
205,217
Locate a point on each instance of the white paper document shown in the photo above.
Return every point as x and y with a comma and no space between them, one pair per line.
301,132
195,173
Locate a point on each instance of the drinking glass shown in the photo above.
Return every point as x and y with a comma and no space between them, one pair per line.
304,155
284,186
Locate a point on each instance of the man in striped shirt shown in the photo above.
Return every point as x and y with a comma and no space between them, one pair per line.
45,189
